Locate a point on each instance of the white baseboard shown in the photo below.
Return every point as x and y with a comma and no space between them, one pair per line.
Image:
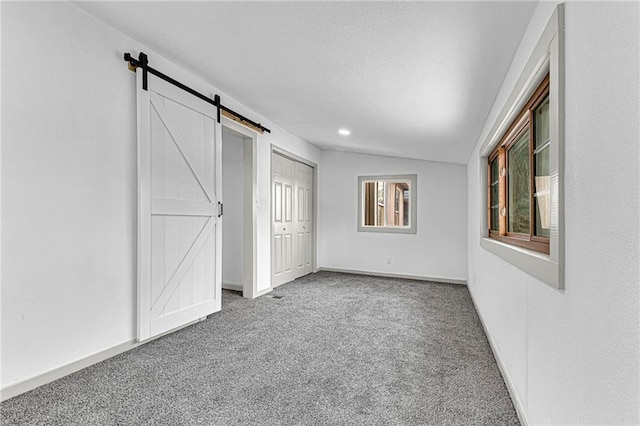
522,416
18,388
57,373
383,274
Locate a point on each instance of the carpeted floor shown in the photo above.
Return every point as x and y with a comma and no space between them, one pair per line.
337,349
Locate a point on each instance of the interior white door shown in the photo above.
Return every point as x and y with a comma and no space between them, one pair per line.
308,220
179,184
292,245
283,220
303,214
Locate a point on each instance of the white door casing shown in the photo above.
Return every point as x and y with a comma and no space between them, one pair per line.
179,185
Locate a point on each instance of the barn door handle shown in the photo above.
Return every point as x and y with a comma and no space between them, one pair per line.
220,209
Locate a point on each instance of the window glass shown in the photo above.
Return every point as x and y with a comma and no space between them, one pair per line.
518,186
495,196
370,209
405,205
380,221
392,200
541,181
541,118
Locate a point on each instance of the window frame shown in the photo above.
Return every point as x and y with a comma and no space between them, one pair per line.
524,122
412,179
546,57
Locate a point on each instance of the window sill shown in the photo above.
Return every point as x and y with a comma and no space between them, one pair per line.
388,229
536,264
526,243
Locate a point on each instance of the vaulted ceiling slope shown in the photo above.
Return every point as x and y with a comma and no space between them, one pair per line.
409,79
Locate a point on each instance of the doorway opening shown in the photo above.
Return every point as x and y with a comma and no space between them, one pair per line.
239,185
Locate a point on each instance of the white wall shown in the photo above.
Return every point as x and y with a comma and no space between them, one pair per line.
438,250
69,186
572,356
233,218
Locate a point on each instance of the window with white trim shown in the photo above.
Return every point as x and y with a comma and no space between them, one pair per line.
387,203
523,153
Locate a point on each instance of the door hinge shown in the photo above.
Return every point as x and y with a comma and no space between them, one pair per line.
220,209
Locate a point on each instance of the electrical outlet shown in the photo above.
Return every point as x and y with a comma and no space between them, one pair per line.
388,260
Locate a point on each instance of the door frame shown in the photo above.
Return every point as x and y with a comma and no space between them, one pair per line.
288,154
250,213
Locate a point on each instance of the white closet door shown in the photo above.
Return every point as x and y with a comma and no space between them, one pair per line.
308,219
303,223
283,246
179,183
292,245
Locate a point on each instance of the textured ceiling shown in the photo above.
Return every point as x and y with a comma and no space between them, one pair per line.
409,79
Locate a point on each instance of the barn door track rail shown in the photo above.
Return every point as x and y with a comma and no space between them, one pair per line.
143,63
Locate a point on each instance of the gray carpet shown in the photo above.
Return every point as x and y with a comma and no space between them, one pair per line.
337,349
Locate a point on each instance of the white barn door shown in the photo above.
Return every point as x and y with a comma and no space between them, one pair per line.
179,185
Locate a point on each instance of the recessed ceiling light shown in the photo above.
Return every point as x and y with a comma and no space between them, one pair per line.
344,132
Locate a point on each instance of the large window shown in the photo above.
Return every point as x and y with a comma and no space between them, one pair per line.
518,178
524,205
